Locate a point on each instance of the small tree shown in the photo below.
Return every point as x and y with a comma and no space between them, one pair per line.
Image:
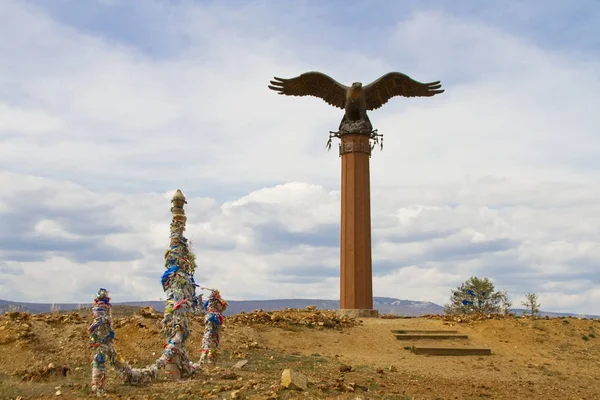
506,306
15,308
476,296
532,307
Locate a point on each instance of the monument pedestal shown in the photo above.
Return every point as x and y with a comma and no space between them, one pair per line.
358,313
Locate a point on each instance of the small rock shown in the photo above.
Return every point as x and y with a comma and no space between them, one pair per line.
393,368
235,394
345,368
294,380
58,393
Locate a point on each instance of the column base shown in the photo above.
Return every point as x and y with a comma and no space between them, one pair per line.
358,313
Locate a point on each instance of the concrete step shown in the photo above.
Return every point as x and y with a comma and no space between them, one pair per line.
412,331
451,351
419,336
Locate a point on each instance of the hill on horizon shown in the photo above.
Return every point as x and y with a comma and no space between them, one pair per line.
385,305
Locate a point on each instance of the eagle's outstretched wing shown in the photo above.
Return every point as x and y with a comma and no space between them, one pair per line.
393,84
312,84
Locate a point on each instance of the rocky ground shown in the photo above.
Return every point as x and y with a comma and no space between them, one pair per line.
46,356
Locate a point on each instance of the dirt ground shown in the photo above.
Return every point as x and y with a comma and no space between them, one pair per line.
531,359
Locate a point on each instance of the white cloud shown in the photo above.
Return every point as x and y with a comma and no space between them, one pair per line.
47,227
22,121
423,260
495,177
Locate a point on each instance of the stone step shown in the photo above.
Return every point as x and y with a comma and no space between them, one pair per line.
412,331
452,351
419,336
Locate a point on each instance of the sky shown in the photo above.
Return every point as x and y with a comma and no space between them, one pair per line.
108,106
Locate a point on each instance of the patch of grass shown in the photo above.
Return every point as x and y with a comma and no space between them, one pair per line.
273,361
400,332
373,385
8,390
592,335
537,325
565,321
12,388
585,337
546,371
362,368
407,348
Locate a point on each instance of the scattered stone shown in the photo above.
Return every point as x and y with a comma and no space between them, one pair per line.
240,364
42,373
345,368
294,380
149,312
393,368
310,318
328,323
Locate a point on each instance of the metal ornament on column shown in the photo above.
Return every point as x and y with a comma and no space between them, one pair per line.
357,140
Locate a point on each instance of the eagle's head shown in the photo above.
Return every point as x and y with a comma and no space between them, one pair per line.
355,90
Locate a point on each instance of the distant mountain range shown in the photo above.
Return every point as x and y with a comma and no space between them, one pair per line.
385,305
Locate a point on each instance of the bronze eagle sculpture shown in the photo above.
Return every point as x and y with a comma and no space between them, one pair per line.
357,99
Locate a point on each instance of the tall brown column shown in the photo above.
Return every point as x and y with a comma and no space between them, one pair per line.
356,285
